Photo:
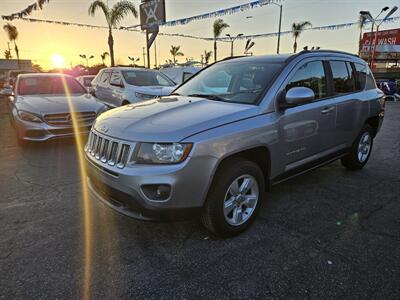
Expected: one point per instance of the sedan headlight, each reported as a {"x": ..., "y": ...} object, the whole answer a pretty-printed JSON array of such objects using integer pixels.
[
  {"x": 30, "y": 117},
  {"x": 145, "y": 96},
  {"x": 160, "y": 153}
]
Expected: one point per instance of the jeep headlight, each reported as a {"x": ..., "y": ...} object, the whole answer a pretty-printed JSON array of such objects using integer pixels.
[
  {"x": 145, "y": 96},
  {"x": 27, "y": 116},
  {"x": 163, "y": 153}
]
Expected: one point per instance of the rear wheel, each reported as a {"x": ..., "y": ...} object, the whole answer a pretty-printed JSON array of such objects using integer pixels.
[
  {"x": 125, "y": 102},
  {"x": 360, "y": 151},
  {"x": 234, "y": 198}
]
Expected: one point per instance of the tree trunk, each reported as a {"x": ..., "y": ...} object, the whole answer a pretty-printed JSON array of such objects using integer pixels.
[
  {"x": 295, "y": 45},
  {"x": 215, "y": 49},
  {"x": 111, "y": 46},
  {"x": 17, "y": 53}
]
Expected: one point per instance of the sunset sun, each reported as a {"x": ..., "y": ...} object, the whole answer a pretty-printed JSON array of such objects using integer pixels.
[{"x": 57, "y": 61}]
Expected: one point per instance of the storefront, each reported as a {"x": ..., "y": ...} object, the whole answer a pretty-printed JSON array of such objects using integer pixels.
[{"x": 386, "y": 57}]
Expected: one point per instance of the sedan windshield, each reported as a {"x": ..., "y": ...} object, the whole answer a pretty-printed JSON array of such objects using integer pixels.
[
  {"x": 146, "y": 78},
  {"x": 49, "y": 85},
  {"x": 240, "y": 82}
]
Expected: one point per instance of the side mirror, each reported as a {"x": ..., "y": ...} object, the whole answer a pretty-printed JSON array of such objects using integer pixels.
[{"x": 299, "y": 95}]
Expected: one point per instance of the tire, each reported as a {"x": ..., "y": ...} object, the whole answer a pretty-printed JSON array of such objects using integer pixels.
[
  {"x": 125, "y": 102},
  {"x": 360, "y": 151},
  {"x": 226, "y": 223}
]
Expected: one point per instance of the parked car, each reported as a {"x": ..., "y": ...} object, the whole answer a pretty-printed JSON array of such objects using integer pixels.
[
  {"x": 123, "y": 85},
  {"x": 11, "y": 76},
  {"x": 86, "y": 80},
  {"x": 230, "y": 133},
  {"x": 180, "y": 74},
  {"x": 40, "y": 107}
]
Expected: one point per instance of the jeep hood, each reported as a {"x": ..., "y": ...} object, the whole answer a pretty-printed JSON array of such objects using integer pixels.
[{"x": 170, "y": 119}]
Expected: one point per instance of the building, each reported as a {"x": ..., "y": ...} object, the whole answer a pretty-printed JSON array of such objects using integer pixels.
[
  {"x": 12, "y": 64},
  {"x": 386, "y": 57}
]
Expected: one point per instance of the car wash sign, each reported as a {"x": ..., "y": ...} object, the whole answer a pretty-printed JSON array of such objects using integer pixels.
[
  {"x": 387, "y": 46},
  {"x": 152, "y": 13}
]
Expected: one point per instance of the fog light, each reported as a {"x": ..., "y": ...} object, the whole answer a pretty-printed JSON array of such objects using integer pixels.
[{"x": 157, "y": 192}]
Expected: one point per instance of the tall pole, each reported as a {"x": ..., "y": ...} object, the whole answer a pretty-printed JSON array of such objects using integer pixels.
[
  {"x": 144, "y": 57},
  {"x": 155, "y": 52},
  {"x": 280, "y": 28},
  {"x": 370, "y": 44},
  {"x": 232, "y": 40},
  {"x": 374, "y": 49},
  {"x": 148, "y": 49}
]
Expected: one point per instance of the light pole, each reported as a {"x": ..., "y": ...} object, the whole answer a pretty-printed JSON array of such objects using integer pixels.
[
  {"x": 232, "y": 39},
  {"x": 368, "y": 16},
  {"x": 280, "y": 24},
  {"x": 391, "y": 12}
]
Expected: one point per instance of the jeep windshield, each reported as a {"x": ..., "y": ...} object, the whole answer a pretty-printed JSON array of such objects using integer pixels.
[
  {"x": 49, "y": 85},
  {"x": 238, "y": 82}
]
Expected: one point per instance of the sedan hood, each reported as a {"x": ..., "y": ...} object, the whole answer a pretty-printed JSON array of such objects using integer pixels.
[
  {"x": 170, "y": 119},
  {"x": 50, "y": 104}
]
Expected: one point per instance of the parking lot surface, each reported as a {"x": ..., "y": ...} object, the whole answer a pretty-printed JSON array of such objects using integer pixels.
[{"x": 330, "y": 233}]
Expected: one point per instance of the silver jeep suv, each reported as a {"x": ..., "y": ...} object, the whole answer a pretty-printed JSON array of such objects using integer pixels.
[{"x": 232, "y": 131}]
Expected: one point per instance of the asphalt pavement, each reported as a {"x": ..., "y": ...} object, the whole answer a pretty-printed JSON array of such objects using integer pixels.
[{"x": 329, "y": 234}]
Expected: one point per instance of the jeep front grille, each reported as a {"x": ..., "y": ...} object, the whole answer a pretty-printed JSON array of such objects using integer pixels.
[{"x": 108, "y": 150}]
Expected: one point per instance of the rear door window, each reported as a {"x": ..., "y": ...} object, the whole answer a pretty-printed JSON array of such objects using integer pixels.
[
  {"x": 361, "y": 76},
  {"x": 311, "y": 75},
  {"x": 343, "y": 80}
]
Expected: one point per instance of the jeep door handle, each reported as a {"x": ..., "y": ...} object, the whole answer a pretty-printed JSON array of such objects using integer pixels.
[{"x": 327, "y": 110}]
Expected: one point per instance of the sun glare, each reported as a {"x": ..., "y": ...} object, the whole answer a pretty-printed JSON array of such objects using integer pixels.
[{"x": 57, "y": 61}]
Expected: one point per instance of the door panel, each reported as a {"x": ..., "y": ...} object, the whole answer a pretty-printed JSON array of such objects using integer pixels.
[{"x": 307, "y": 129}]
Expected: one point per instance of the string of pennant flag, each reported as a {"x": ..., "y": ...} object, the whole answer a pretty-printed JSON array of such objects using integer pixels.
[
  {"x": 251, "y": 36},
  {"x": 214, "y": 14},
  {"x": 38, "y": 5}
]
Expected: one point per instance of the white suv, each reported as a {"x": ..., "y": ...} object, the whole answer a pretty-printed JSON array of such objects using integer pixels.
[{"x": 123, "y": 85}]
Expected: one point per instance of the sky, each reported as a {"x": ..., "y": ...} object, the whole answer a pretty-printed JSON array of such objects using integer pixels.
[{"x": 39, "y": 41}]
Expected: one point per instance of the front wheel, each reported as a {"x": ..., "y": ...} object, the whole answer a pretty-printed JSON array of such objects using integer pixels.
[
  {"x": 234, "y": 198},
  {"x": 360, "y": 151}
]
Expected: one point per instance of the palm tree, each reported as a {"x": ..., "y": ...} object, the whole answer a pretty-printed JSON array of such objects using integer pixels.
[
  {"x": 133, "y": 60},
  {"x": 12, "y": 33},
  {"x": 175, "y": 51},
  {"x": 85, "y": 57},
  {"x": 103, "y": 57},
  {"x": 113, "y": 17},
  {"x": 218, "y": 27},
  {"x": 361, "y": 23},
  {"x": 7, "y": 54},
  {"x": 297, "y": 29},
  {"x": 207, "y": 56}
]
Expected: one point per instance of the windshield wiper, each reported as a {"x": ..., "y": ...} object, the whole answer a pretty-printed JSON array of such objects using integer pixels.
[{"x": 208, "y": 96}]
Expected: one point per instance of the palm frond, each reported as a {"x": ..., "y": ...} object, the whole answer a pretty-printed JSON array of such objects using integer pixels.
[
  {"x": 120, "y": 10},
  {"x": 218, "y": 26},
  {"x": 297, "y": 28},
  {"x": 11, "y": 31},
  {"x": 100, "y": 5}
]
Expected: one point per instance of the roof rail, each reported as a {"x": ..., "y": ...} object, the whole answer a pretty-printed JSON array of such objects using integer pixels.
[{"x": 326, "y": 51}]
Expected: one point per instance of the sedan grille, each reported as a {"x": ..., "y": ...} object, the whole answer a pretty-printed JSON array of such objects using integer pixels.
[
  {"x": 109, "y": 151},
  {"x": 65, "y": 119}
]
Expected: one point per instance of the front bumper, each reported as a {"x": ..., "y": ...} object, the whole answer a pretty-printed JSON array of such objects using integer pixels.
[
  {"x": 122, "y": 189},
  {"x": 38, "y": 132}
]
